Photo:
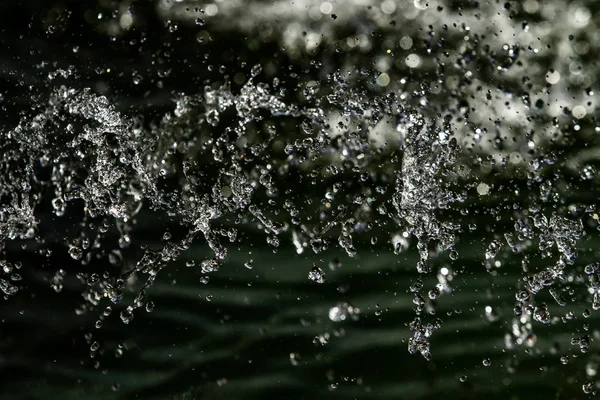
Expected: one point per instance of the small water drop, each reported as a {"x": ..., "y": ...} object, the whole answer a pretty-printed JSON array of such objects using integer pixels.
[
  {"x": 212, "y": 117},
  {"x": 317, "y": 275},
  {"x": 434, "y": 293},
  {"x": 75, "y": 252},
  {"x": 126, "y": 316},
  {"x": 149, "y": 306},
  {"x": 256, "y": 70},
  {"x": 564, "y": 360},
  {"x": 492, "y": 250}
]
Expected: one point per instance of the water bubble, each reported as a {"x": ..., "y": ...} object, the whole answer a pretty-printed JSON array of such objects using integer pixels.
[{"x": 486, "y": 362}]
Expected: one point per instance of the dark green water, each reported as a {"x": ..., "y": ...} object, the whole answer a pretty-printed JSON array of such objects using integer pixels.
[{"x": 238, "y": 344}]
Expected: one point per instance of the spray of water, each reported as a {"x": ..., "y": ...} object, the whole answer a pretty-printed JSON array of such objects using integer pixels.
[{"x": 364, "y": 149}]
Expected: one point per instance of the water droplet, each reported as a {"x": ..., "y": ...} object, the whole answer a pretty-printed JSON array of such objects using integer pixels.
[
  {"x": 212, "y": 117},
  {"x": 208, "y": 266},
  {"x": 149, "y": 306},
  {"x": 541, "y": 314},
  {"x": 317, "y": 275},
  {"x": 256, "y": 70},
  {"x": 126, "y": 316},
  {"x": 75, "y": 252},
  {"x": 492, "y": 250},
  {"x": 587, "y": 387},
  {"x": 434, "y": 293}
]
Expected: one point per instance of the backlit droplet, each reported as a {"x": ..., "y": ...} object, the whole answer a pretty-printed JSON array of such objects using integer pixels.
[{"x": 317, "y": 275}]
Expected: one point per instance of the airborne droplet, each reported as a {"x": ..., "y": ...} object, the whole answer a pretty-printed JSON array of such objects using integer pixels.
[{"x": 317, "y": 275}]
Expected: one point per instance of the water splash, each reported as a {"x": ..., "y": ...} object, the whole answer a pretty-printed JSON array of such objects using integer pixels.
[{"x": 415, "y": 155}]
